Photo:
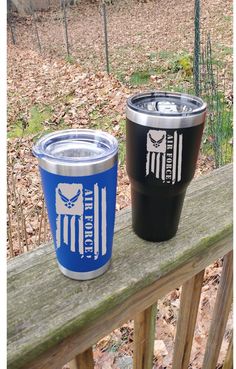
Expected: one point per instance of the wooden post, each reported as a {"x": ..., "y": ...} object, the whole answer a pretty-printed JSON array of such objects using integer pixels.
[
  {"x": 9, "y": 230},
  {"x": 228, "y": 363},
  {"x": 23, "y": 226},
  {"x": 83, "y": 361},
  {"x": 190, "y": 297},
  {"x": 144, "y": 335},
  {"x": 105, "y": 35},
  {"x": 220, "y": 314},
  {"x": 15, "y": 199}
]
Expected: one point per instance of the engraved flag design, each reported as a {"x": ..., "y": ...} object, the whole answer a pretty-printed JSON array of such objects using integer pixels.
[
  {"x": 81, "y": 219},
  {"x": 164, "y": 155}
]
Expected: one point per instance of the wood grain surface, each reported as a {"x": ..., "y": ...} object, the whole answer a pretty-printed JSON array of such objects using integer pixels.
[
  {"x": 83, "y": 360},
  {"x": 51, "y": 319},
  {"x": 189, "y": 302},
  {"x": 144, "y": 335},
  {"x": 221, "y": 311}
]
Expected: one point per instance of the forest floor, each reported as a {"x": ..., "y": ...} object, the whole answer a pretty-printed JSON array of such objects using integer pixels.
[{"x": 49, "y": 91}]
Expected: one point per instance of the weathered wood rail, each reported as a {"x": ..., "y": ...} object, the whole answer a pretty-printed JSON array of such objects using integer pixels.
[{"x": 53, "y": 320}]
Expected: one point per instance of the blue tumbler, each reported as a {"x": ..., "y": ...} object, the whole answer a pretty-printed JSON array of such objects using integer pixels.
[{"x": 78, "y": 169}]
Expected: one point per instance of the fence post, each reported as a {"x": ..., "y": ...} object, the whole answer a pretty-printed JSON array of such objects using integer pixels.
[
  {"x": 12, "y": 31},
  {"x": 105, "y": 35},
  {"x": 9, "y": 19},
  {"x": 83, "y": 360},
  {"x": 190, "y": 297},
  {"x": 228, "y": 363},
  {"x": 66, "y": 30},
  {"x": 196, "y": 71},
  {"x": 220, "y": 314},
  {"x": 35, "y": 26},
  {"x": 144, "y": 335}
]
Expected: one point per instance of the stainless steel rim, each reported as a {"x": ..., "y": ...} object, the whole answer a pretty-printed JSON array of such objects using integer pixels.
[
  {"x": 164, "y": 122},
  {"x": 83, "y": 276},
  {"x": 73, "y": 170},
  {"x": 70, "y": 167},
  {"x": 155, "y": 120}
]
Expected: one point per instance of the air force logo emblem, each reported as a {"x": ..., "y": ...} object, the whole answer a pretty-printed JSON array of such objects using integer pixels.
[
  {"x": 69, "y": 203},
  {"x": 156, "y": 141},
  {"x": 69, "y": 199}
]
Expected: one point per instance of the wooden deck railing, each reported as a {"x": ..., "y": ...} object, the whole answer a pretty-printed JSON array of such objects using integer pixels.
[{"x": 53, "y": 320}]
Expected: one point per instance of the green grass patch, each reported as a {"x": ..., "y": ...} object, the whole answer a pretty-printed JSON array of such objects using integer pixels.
[
  {"x": 218, "y": 133},
  {"x": 122, "y": 142},
  {"x": 70, "y": 59},
  {"x": 224, "y": 50},
  {"x": 220, "y": 156},
  {"x": 228, "y": 18},
  {"x": 140, "y": 77},
  {"x": 122, "y": 152},
  {"x": 182, "y": 62},
  {"x": 121, "y": 76},
  {"x": 176, "y": 62},
  {"x": 172, "y": 84},
  {"x": 166, "y": 54},
  {"x": 33, "y": 125},
  {"x": 216, "y": 62},
  {"x": 153, "y": 55},
  {"x": 105, "y": 123},
  {"x": 122, "y": 125},
  {"x": 99, "y": 121}
]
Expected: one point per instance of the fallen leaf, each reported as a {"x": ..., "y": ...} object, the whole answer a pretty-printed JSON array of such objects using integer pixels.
[{"x": 160, "y": 348}]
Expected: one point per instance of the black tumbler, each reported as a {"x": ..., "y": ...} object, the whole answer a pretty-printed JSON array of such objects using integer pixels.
[{"x": 163, "y": 137}]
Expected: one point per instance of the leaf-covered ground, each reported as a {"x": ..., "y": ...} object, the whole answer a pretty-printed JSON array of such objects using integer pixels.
[{"x": 148, "y": 43}]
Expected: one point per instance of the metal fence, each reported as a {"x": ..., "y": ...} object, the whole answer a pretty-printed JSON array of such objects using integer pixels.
[{"x": 88, "y": 32}]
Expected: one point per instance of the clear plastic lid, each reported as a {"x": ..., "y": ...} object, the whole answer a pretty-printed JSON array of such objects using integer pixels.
[
  {"x": 166, "y": 104},
  {"x": 76, "y": 146}
]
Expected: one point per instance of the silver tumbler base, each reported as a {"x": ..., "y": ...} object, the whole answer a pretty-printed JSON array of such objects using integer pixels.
[{"x": 83, "y": 276}]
